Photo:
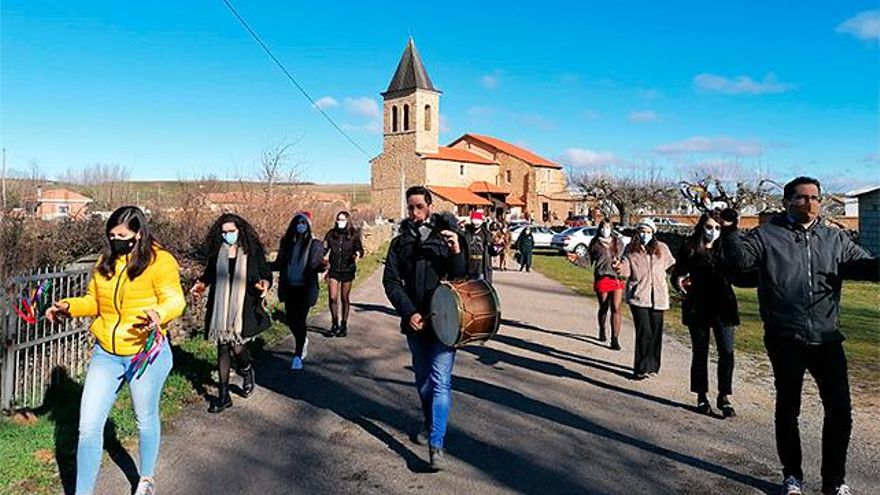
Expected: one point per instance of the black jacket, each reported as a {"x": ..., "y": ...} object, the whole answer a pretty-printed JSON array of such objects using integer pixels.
[
  {"x": 314, "y": 266},
  {"x": 254, "y": 317},
  {"x": 710, "y": 300},
  {"x": 343, "y": 247},
  {"x": 415, "y": 266},
  {"x": 480, "y": 251},
  {"x": 799, "y": 275}
]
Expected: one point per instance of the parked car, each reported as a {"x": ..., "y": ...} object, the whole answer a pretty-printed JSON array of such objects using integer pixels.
[
  {"x": 577, "y": 240},
  {"x": 578, "y": 221},
  {"x": 543, "y": 235},
  {"x": 668, "y": 222}
]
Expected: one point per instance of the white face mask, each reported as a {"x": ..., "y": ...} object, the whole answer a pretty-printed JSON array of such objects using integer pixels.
[
  {"x": 477, "y": 223},
  {"x": 341, "y": 224},
  {"x": 711, "y": 234},
  {"x": 646, "y": 237},
  {"x": 301, "y": 228},
  {"x": 606, "y": 232}
]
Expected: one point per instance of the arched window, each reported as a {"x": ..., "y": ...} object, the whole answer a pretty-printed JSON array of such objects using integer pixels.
[
  {"x": 406, "y": 117},
  {"x": 394, "y": 119},
  {"x": 427, "y": 117}
]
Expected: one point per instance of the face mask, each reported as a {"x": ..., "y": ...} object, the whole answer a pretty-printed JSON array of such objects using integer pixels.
[
  {"x": 646, "y": 237},
  {"x": 477, "y": 223},
  {"x": 122, "y": 247},
  {"x": 341, "y": 224},
  {"x": 606, "y": 232},
  {"x": 301, "y": 228},
  {"x": 528, "y": 231},
  {"x": 230, "y": 238},
  {"x": 711, "y": 234}
]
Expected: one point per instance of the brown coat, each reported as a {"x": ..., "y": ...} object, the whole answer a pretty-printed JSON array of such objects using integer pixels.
[{"x": 645, "y": 275}]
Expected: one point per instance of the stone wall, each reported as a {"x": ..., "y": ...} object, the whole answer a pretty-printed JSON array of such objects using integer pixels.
[
  {"x": 448, "y": 173},
  {"x": 869, "y": 222}
]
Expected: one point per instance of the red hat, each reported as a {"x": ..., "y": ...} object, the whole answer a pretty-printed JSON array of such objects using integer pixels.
[{"x": 476, "y": 215}]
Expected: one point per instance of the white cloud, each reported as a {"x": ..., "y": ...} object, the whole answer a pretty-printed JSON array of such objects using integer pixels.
[
  {"x": 490, "y": 81},
  {"x": 871, "y": 158},
  {"x": 581, "y": 157},
  {"x": 371, "y": 127},
  {"x": 363, "y": 106},
  {"x": 740, "y": 84},
  {"x": 722, "y": 145},
  {"x": 864, "y": 25},
  {"x": 642, "y": 116},
  {"x": 326, "y": 102}
]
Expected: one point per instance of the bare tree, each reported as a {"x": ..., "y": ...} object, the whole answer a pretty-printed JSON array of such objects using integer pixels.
[
  {"x": 278, "y": 165},
  {"x": 627, "y": 195}
]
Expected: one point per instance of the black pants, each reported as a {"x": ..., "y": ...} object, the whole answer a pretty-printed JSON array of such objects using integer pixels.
[
  {"x": 649, "y": 339},
  {"x": 525, "y": 259},
  {"x": 700, "y": 358},
  {"x": 297, "y": 310},
  {"x": 827, "y": 364}
]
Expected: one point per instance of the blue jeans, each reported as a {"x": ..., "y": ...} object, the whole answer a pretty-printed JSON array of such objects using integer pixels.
[
  {"x": 432, "y": 362},
  {"x": 99, "y": 394}
]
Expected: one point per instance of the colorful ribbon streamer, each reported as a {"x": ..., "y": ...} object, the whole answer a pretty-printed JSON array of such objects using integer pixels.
[
  {"x": 31, "y": 308},
  {"x": 145, "y": 356}
]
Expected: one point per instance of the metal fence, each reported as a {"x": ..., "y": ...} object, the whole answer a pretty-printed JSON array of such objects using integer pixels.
[{"x": 30, "y": 352}]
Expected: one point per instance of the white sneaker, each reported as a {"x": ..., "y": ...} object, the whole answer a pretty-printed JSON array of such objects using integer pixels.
[
  {"x": 305, "y": 348},
  {"x": 840, "y": 490},
  {"x": 296, "y": 364},
  {"x": 792, "y": 486},
  {"x": 145, "y": 487}
]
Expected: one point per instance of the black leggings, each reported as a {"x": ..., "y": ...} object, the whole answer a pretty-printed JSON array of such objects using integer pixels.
[
  {"x": 297, "y": 313},
  {"x": 225, "y": 353}
]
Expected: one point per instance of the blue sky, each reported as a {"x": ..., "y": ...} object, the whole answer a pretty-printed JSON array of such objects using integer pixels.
[{"x": 178, "y": 89}]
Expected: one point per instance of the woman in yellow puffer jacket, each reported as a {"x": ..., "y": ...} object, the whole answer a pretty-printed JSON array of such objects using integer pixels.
[{"x": 135, "y": 285}]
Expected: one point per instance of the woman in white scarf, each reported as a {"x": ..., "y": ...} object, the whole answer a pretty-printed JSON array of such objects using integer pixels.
[{"x": 239, "y": 277}]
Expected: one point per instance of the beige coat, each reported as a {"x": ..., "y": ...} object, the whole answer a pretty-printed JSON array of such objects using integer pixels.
[{"x": 645, "y": 275}]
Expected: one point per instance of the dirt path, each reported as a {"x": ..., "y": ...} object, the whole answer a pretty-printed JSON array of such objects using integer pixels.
[{"x": 542, "y": 409}]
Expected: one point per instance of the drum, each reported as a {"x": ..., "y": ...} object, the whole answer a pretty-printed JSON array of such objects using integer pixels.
[{"x": 463, "y": 312}]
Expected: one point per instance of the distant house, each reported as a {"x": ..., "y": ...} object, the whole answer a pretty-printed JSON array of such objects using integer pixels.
[
  {"x": 869, "y": 217},
  {"x": 51, "y": 204},
  {"x": 237, "y": 200}
]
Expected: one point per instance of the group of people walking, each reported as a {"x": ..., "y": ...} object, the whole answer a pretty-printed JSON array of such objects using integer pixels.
[
  {"x": 136, "y": 287},
  {"x": 799, "y": 262}
]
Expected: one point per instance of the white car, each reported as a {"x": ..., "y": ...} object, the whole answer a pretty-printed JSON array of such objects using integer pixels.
[
  {"x": 543, "y": 235},
  {"x": 661, "y": 221},
  {"x": 577, "y": 240}
]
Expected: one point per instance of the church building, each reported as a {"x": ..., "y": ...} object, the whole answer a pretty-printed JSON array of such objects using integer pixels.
[{"x": 473, "y": 172}]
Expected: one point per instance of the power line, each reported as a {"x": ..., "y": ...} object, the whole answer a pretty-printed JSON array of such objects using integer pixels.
[{"x": 290, "y": 77}]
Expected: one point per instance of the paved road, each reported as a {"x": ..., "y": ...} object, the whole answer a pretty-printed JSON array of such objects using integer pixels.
[{"x": 544, "y": 409}]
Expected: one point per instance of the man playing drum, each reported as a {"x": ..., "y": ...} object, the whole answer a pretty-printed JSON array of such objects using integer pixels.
[{"x": 426, "y": 251}]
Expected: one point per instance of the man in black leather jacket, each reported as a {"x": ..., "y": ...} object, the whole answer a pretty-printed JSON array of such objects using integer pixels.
[
  {"x": 801, "y": 264},
  {"x": 428, "y": 249}
]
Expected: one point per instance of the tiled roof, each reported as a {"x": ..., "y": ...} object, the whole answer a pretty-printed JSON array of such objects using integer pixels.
[
  {"x": 511, "y": 149},
  {"x": 459, "y": 195},
  {"x": 410, "y": 73},
  {"x": 458, "y": 155},
  {"x": 514, "y": 201},
  {"x": 482, "y": 186}
]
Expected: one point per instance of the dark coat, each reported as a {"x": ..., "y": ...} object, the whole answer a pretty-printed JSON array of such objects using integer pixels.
[
  {"x": 710, "y": 300},
  {"x": 254, "y": 317},
  {"x": 414, "y": 267},
  {"x": 525, "y": 243},
  {"x": 800, "y": 273},
  {"x": 480, "y": 249},
  {"x": 314, "y": 266},
  {"x": 343, "y": 247}
]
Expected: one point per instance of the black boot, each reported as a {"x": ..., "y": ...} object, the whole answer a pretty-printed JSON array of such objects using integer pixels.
[
  {"x": 334, "y": 330},
  {"x": 703, "y": 406},
  {"x": 223, "y": 401},
  {"x": 615, "y": 345},
  {"x": 343, "y": 329},
  {"x": 249, "y": 383},
  {"x": 602, "y": 335},
  {"x": 726, "y": 409}
]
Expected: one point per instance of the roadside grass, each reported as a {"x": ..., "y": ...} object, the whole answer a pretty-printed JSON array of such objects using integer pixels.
[
  {"x": 38, "y": 448},
  {"x": 859, "y": 318}
]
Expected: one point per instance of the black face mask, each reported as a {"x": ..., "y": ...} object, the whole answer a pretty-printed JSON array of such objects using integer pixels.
[{"x": 121, "y": 247}]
